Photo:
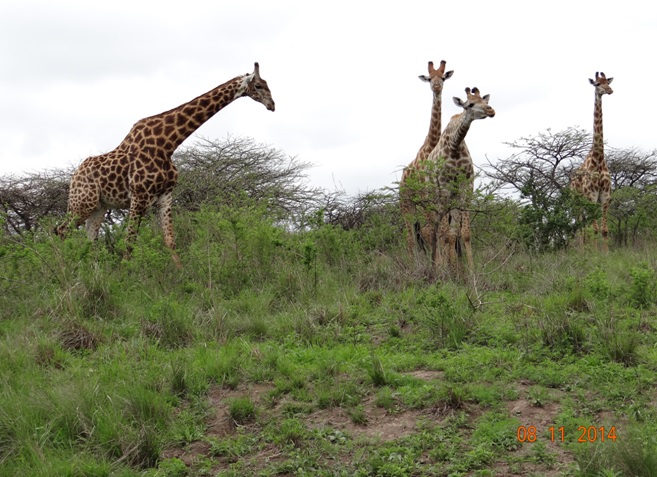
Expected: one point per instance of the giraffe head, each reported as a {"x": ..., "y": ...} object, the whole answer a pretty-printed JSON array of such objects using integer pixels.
[
  {"x": 601, "y": 83},
  {"x": 257, "y": 89},
  {"x": 437, "y": 76},
  {"x": 475, "y": 104}
]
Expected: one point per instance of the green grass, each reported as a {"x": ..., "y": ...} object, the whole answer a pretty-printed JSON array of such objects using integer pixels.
[{"x": 319, "y": 353}]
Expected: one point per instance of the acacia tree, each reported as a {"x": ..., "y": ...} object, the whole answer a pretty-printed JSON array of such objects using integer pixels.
[
  {"x": 24, "y": 200},
  {"x": 216, "y": 172},
  {"x": 539, "y": 174},
  {"x": 634, "y": 184},
  {"x": 545, "y": 161}
]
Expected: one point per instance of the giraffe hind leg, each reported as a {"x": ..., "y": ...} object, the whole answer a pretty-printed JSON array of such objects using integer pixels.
[{"x": 94, "y": 221}]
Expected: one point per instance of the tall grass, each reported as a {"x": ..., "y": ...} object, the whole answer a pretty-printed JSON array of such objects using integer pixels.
[{"x": 106, "y": 364}]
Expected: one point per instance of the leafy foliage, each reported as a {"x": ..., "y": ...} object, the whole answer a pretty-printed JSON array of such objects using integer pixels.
[{"x": 550, "y": 221}]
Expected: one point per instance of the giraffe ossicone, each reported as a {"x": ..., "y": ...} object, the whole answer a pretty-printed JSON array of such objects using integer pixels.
[{"x": 139, "y": 173}]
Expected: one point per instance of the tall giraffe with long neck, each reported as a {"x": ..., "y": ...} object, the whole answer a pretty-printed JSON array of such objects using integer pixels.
[
  {"x": 455, "y": 181},
  {"x": 416, "y": 175},
  {"x": 592, "y": 179},
  {"x": 140, "y": 172}
]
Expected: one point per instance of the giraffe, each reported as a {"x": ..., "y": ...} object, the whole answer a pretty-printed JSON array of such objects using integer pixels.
[
  {"x": 416, "y": 171},
  {"x": 140, "y": 172},
  {"x": 592, "y": 179},
  {"x": 455, "y": 181}
]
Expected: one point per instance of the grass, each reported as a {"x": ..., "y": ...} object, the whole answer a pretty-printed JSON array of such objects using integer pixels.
[{"x": 319, "y": 353}]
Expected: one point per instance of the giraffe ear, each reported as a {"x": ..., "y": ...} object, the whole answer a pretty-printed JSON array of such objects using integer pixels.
[
  {"x": 486, "y": 97},
  {"x": 424, "y": 78},
  {"x": 591, "y": 81},
  {"x": 459, "y": 102},
  {"x": 609, "y": 80},
  {"x": 448, "y": 74}
]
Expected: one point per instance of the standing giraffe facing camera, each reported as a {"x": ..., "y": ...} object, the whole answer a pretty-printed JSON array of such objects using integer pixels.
[
  {"x": 140, "y": 172},
  {"x": 592, "y": 179},
  {"x": 455, "y": 181},
  {"x": 416, "y": 175}
]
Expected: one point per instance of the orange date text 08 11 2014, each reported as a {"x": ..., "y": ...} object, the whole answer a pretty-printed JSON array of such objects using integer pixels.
[{"x": 584, "y": 433}]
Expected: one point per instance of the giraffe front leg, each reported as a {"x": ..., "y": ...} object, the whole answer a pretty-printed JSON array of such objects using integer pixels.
[
  {"x": 596, "y": 233},
  {"x": 437, "y": 258},
  {"x": 605, "y": 230},
  {"x": 412, "y": 226},
  {"x": 93, "y": 223},
  {"x": 466, "y": 236},
  {"x": 434, "y": 236},
  {"x": 166, "y": 222},
  {"x": 83, "y": 203},
  {"x": 447, "y": 237},
  {"x": 60, "y": 230},
  {"x": 581, "y": 233},
  {"x": 410, "y": 235},
  {"x": 454, "y": 234},
  {"x": 138, "y": 207},
  {"x": 450, "y": 247}
]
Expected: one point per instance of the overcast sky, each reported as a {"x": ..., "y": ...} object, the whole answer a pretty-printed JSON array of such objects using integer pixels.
[{"x": 76, "y": 74}]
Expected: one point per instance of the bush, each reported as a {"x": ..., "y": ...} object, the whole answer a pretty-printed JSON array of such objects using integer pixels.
[{"x": 549, "y": 222}]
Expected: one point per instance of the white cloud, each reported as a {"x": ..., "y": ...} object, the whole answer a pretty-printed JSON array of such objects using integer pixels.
[{"x": 75, "y": 75}]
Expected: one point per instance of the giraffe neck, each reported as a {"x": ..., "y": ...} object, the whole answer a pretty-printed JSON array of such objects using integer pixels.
[
  {"x": 458, "y": 128},
  {"x": 434, "y": 127},
  {"x": 597, "y": 150},
  {"x": 171, "y": 128}
]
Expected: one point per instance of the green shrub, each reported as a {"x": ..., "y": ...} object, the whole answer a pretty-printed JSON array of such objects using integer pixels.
[
  {"x": 242, "y": 410},
  {"x": 643, "y": 288}
]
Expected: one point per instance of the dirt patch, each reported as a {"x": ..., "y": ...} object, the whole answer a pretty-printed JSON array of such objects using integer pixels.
[
  {"x": 220, "y": 424},
  {"x": 427, "y": 375},
  {"x": 542, "y": 418},
  {"x": 379, "y": 423},
  {"x": 190, "y": 454},
  {"x": 534, "y": 415}
]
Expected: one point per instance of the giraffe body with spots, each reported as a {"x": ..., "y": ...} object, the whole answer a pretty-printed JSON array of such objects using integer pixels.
[{"x": 139, "y": 173}]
